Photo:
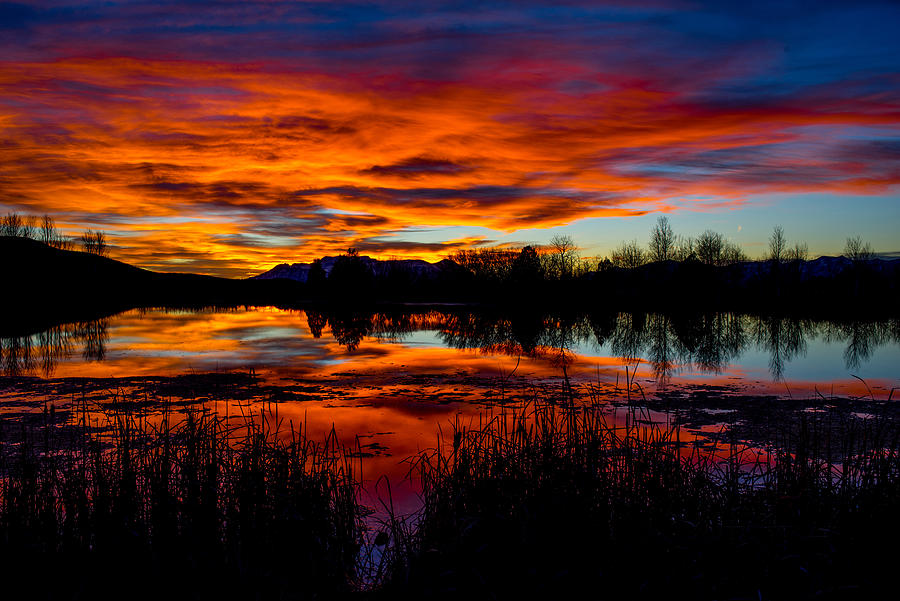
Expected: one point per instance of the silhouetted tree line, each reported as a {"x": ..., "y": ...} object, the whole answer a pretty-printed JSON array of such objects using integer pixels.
[
  {"x": 709, "y": 248},
  {"x": 44, "y": 230},
  {"x": 671, "y": 271},
  {"x": 557, "y": 262},
  {"x": 713, "y": 249}
]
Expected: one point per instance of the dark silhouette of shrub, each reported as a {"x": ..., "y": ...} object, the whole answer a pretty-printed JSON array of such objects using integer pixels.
[
  {"x": 316, "y": 278},
  {"x": 527, "y": 268},
  {"x": 351, "y": 277}
]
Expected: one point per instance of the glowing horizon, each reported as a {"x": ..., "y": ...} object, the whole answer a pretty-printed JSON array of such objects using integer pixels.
[{"x": 230, "y": 138}]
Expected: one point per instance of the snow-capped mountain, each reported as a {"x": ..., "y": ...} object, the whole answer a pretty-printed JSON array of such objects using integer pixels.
[{"x": 416, "y": 268}]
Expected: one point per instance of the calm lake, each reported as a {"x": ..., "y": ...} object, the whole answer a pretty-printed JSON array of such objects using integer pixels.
[
  {"x": 388, "y": 381},
  {"x": 742, "y": 353}
]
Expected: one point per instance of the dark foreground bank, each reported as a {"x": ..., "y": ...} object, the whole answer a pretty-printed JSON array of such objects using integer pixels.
[{"x": 550, "y": 500}]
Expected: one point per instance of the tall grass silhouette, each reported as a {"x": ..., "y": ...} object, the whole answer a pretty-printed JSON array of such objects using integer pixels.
[
  {"x": 557, "y": 500},
  {"x": 134, "y": 501}
]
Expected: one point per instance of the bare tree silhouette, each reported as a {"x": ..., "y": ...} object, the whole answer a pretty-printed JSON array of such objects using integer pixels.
[
  {"x": 562, "y": 257},
  {"x": 48, "y": 234},
  {"x": 711, "y": 247},
  {"x": 11, "y": 225},
  {"x": 858, "y": 250},
  {"x": 629, "y": 255},
  {"x": 94, "y": 243},
  {"x": 799, "y": 252},
  {"x": 777, "y": 245},
  {"x": 685, "y": 249},
  {"x": 662, "y": 240}
]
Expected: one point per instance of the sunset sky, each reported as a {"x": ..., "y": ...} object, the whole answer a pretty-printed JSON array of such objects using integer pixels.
[{"x": 225, "y": 137}]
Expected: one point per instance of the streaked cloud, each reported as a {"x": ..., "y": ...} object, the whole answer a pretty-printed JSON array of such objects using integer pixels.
[{"x": 229, "y": 138}]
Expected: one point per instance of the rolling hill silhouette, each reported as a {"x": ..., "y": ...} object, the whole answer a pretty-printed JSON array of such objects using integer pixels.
[{"x": 38, "y": 278}]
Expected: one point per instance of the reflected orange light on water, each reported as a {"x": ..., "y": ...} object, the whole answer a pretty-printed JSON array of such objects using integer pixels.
[{"x": 279, "y": 344}]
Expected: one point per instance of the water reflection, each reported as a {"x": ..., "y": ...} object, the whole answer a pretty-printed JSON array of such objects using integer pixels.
[
  {"x": 709, "y": 343},
  {"x": 784, "y": 338},
  {"x": 861, "y": 338},
  {"x": 521, "y": 335},
  {"x": 39, "y": 353},
  {"x": 349, "y": 328},
  {"x": 669, "y": 344},
  {"x": 316, "y": 321}
]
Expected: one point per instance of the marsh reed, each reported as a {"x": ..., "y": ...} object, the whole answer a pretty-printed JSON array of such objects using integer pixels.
[
  {"x": 553, "y": 501},
  {"x": 570, "y": 498},
  {"x": 188, "y": 503}
]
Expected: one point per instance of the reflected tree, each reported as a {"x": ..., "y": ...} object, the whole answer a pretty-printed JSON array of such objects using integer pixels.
[
  {"x": 561, "y": 334},
  {"x": 784, "y": 339},
  {"x": 316, "y": 321},
  {"x": 398, "y": 325},
  {"x": 42, "y": 351},
  {"x": 711, "y": 341},
  {"x": 349, "y": 328},
  {"x": 627, "y": 340},
  {"x": 861, "y": 337},
  {"x": 527, "y": 330},
  {"x": 661, "y": 345},
  {"x": 602, "y": 326},
  {"x": 94, "y": 335}
]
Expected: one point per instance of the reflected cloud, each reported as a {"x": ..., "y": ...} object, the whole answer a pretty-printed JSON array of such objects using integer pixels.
[{"x": 384, "y": 346}]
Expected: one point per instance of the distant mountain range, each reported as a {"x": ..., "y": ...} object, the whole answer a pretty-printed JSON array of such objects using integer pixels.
[
  {"x": 740, "y": 273},
  {"x": 747, "y": 272},
  {"x": 822, "y": 267},
  {"x": 299, "y": 272}
]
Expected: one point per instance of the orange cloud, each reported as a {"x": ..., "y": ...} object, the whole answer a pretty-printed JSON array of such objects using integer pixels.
[{"x": 229, "y": 169}]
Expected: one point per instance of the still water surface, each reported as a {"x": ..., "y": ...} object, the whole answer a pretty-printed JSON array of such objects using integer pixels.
[{"x": 745, "y": 353}]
